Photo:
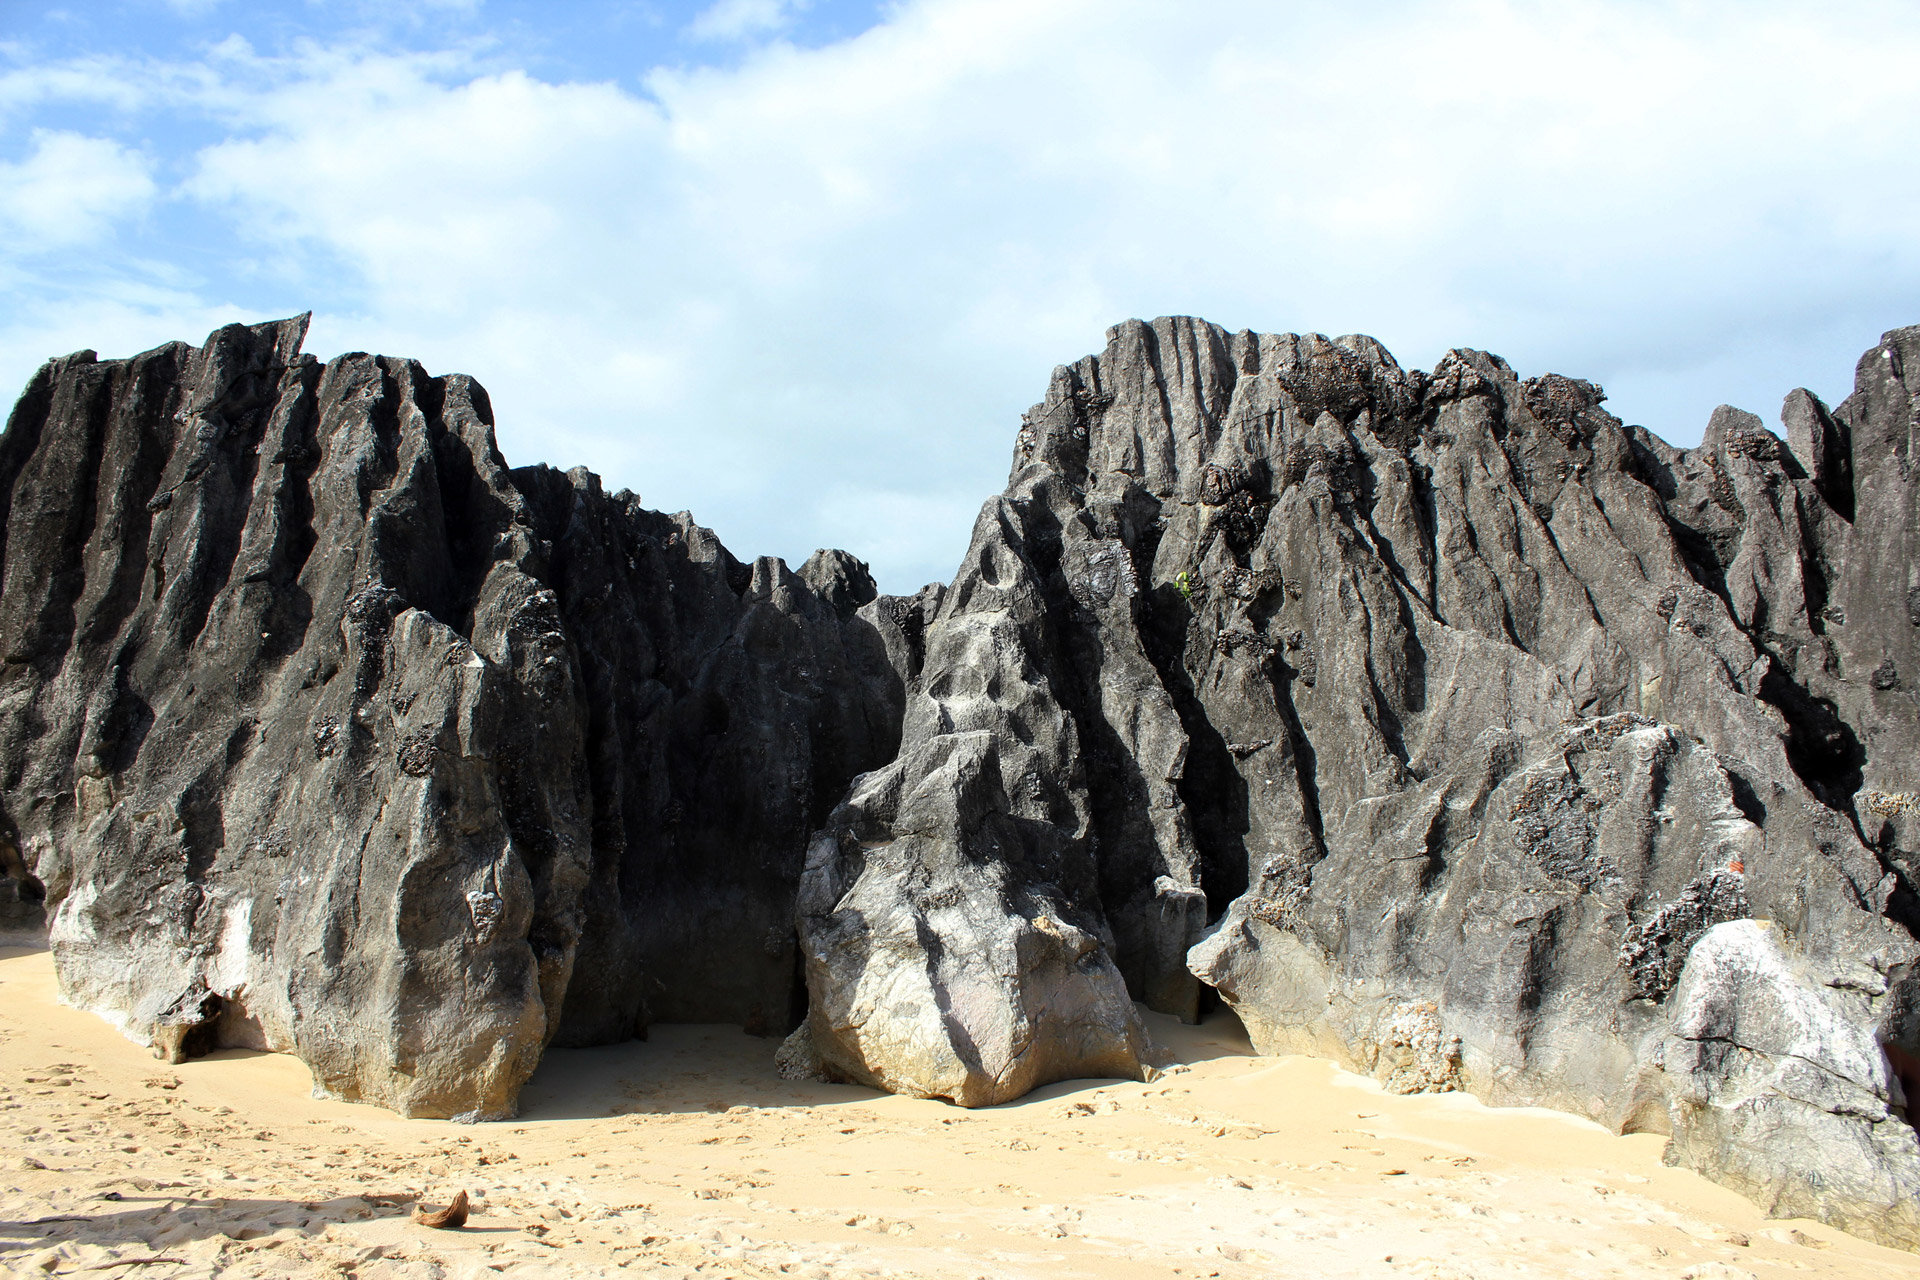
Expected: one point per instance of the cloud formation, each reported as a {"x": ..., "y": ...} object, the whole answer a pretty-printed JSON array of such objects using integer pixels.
[
  {"x": 70, "y": 190},
  {"x": 742, "y": 19},
  {"x": 806, "y": 293}
]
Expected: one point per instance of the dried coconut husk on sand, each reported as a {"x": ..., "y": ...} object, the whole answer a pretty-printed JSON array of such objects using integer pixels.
[{"x": 451, "y": 1218}]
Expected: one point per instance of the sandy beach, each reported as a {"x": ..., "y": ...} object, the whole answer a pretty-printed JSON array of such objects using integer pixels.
[{"x": 684, "y": 1155}]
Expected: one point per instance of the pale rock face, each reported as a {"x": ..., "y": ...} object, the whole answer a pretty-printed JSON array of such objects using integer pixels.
[
  {"x": 1479, "y": 930},
  {"x": 937, "y": 964},
  {"x": 1781, "y": 1088}
]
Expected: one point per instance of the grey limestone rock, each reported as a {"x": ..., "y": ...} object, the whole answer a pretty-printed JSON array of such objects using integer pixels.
[
  {"x": 1438, "y": 719},
  {"x": 950, "y": 914},
  {"x": 323, "y": 731}
]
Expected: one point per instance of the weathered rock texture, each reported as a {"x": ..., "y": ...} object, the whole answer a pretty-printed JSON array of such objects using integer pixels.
[
  {"x": 1439, "y": 722},
  {"x": 1442, "y": 724},
  {"x": 321, "y": 730}
]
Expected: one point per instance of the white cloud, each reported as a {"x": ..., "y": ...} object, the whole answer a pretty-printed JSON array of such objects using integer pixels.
[
  {"x": 91, "y": 80},
  {"x": 808, "y": 295},
  {"x": 742, "y": 19},
  {"x": 70, "y": 190}
]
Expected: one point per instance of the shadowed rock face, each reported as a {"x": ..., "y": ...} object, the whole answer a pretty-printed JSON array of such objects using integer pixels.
[
  {"x": 1440, "y": 723},
  {"x": 322, "y": 731}
]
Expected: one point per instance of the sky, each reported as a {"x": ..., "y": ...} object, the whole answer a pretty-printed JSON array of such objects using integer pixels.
[{"x": 799, "y": 267}]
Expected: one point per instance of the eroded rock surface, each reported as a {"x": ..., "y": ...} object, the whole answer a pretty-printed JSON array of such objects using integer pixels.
[
  {"x": 951, "y": 914},
  {"x": 1435, "y": 721},
  {"x": 322, "y": 731},
  {"x": 1784, "y": 1091}
]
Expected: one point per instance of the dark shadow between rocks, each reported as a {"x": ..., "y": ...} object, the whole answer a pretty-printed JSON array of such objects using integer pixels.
[
  {"x": 1219, "y": 1034},
  {"x": 23, "y": 913},
  {"x": 1821, "y": 747},
  {"x": 679, "y": 1069}
]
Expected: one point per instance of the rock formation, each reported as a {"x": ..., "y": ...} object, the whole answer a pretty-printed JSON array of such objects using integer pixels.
[
  {"x": 1443, "y": 725},
  {"x": 322, "y": 731},
  {"x": 1438, "y": 722}
]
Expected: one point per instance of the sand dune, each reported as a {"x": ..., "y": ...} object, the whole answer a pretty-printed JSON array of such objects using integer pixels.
[{"x": 685, "y": 1156}]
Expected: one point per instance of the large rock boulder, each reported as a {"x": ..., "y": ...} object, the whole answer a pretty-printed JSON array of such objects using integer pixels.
[
  {"x": 322, "y": 731},
  {"x": 951, "y": 915},
  {"x": 1436, "y": 719}
]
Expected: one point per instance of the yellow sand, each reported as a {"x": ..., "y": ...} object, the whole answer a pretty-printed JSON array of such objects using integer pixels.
[{"x": 684, "y": 1155}]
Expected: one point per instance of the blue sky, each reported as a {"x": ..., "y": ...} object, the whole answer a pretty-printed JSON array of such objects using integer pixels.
[{"x": 799, "y": 267}]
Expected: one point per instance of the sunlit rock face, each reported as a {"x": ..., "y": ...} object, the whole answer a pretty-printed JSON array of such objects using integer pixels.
[
  {"x": 1438, "y": 722},
  {"x": 323, "y": 731},
  {"x": 1433, "y": 720}
]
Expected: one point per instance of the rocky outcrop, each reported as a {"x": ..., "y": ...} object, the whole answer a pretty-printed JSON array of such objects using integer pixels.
[
  {"x": 322, "y": 731},
  {"x": 1439, "y": 722},
  {"x": 951, "y": 915}
]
